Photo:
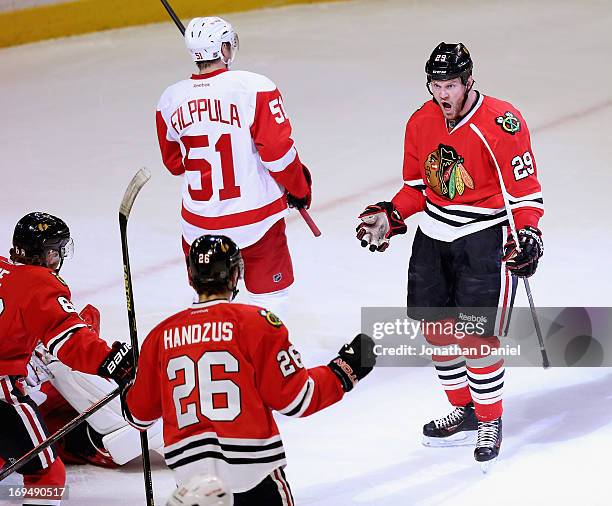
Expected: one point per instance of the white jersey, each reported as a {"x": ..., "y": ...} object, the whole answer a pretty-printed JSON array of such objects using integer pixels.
[{"x": 228, "y": 134}]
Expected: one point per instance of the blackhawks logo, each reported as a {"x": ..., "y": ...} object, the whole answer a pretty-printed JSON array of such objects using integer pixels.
[
  {"x": 271, "y": 318},
  {"x": 509, "y": 123},
  {"x": 445, "y": 172}
]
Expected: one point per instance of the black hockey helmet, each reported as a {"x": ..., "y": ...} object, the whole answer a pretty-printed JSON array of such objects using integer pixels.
[
  {"x": 37, "y": 234},
  {"x": 448, "y": 61},
  {"x": 213, "y": 259}
]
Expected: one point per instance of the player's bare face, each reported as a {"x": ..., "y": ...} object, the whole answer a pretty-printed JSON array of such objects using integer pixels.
[{"x": 449, "y": 95}]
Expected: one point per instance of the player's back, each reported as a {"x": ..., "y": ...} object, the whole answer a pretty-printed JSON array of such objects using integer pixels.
[
  {"x": 210, "y": 375},
  {"x": 224, "y": 122},
  {"x": 19, "y": 285},
  {"x": 211, "y": 345}
]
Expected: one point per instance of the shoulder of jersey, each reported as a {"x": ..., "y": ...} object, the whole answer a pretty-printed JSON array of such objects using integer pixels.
[
  {"x": 428, "y": 110},
  {"x": 495, "y": 106},
  {"x": 249, "y": 81},
  {"x": 38, "y": 276},
  {"x": 258, "y": 315},
  {"x": 501, "y": 116}
]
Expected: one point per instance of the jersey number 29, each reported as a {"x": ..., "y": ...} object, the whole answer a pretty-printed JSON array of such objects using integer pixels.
[{"x": 523, "y": 166}]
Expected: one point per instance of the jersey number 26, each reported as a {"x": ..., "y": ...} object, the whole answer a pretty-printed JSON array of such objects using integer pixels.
[{"x": 199, "y": 375}]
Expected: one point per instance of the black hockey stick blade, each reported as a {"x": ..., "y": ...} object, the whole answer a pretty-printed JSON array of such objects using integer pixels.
[{"x": 58, "y": 434}]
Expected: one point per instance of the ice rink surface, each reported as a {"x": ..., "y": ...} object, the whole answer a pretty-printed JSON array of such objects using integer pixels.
[{"x": 78, "y": 121}]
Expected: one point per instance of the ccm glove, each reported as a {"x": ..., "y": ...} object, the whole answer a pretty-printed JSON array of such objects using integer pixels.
[
  {"x": 119, "y": 364},
  {"x": 304, "y": 202},
  {"x": 379, "y": 222},
  {"x": 354, "y": 361},
  {"x": 524, "y": 263}
]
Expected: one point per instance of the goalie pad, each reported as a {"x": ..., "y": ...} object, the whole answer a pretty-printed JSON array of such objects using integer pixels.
[
  {"x": 124, "y": 443},
  {"x": 81, "y": 390}
]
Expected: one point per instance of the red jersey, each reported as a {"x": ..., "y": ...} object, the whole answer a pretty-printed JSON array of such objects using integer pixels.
[
  {"x": 35, "y": 307},
  {"x": 214, "y": 373},
  {"x": 461, "y": 187}
]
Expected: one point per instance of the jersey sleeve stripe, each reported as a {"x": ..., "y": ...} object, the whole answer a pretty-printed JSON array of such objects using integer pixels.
[
  {"x": 532, "y": 196},
  {"x": 530, "y": 203},
  {"x": 135, "y": 422},
  {"x": 417, "y": 184},
  {"x": 301, "y": 401},
  {"x": 55, "y": 343},
  {"x": 283, "y": 162}
]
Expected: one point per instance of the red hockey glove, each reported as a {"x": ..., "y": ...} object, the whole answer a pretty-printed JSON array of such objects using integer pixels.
[
  {"x": 304, "y": 202},
  {"x": 119, "y": 364},
  {"x": 91, "y": 316},
  {"x": 379, "y": 222},
  {"x": 524, "y": 263},
  {"x": 354, "y": 361}
]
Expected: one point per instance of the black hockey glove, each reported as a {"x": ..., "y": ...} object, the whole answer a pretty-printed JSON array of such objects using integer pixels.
[
  {"x": 119, "y": 364},
  {"x": 379, "y": 222},
  {"x": 304, "y": 202},
  {"x": 525, "y": 262},
  {"x": 354, "y": 361}
]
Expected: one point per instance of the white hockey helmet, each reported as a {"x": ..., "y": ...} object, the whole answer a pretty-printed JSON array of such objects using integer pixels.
[
  {"x": 205, "y": 36},
  {"x": 201, "y": 490}
]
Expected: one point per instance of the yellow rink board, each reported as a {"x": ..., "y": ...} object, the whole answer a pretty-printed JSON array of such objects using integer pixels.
[{"x": 83, "y": 16}]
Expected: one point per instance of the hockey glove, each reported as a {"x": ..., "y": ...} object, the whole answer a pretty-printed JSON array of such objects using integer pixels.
[
  {"x": 354, "y": 361},
  {"x": 379, "y": 222},
  {"x": 119, "y": 364},
  {"x": 304, "y": 202},
  {"x": 524, "y": 263}
]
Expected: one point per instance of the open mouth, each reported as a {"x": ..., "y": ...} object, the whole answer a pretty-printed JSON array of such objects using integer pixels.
[{"x": 447, "y": 106}]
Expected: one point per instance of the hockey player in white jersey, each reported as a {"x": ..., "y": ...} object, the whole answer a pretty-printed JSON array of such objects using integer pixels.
[{"x": 227, "y": 133}]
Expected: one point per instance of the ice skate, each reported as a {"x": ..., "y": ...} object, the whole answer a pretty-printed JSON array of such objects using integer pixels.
[
  {"x": 458, "y": 428},
  {"x": 488, "y": 443}
]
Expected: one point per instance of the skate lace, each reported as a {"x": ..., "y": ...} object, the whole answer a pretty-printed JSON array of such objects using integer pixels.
[
  {"x": 487, "y": 433},
  {"x": 451, "y": 419}
]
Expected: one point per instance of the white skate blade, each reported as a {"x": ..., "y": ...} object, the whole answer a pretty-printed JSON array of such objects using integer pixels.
[
  {"x": 486, "y": 466},
  {"x": 464, "y": 438}
]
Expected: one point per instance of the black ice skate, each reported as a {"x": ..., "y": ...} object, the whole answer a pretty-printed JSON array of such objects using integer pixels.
[
  {"x": 458, "y": 428},
  {"x": 488, "y": 443}
]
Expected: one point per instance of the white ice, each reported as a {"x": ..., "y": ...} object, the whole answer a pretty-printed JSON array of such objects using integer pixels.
[{"x": 78, "y": 121}]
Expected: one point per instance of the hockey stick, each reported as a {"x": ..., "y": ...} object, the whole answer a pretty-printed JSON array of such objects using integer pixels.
[
  {"x": 513, "y": 231},
  {"x": 135, "y": 185},
  {"x": 58, "y": 434},
  {"x": 179, "y": 24}
]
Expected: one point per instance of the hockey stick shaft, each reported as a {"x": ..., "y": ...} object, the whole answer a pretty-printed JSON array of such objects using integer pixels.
[
  {"x": 310, "y": 222},
  {"x": 57, "y": 435},
  {"x": 536, "y": 322},
  {"x": 132, "y": 190},
  {"x": 179, "y": 24}
]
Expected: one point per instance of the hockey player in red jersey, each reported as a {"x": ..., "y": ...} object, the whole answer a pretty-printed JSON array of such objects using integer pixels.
[
  {"x": 462, "y": 254},
  {"x": 228, "y": 134},
  {"x": 216, "y": 371},
  {"x": 35, "y": 307}
]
